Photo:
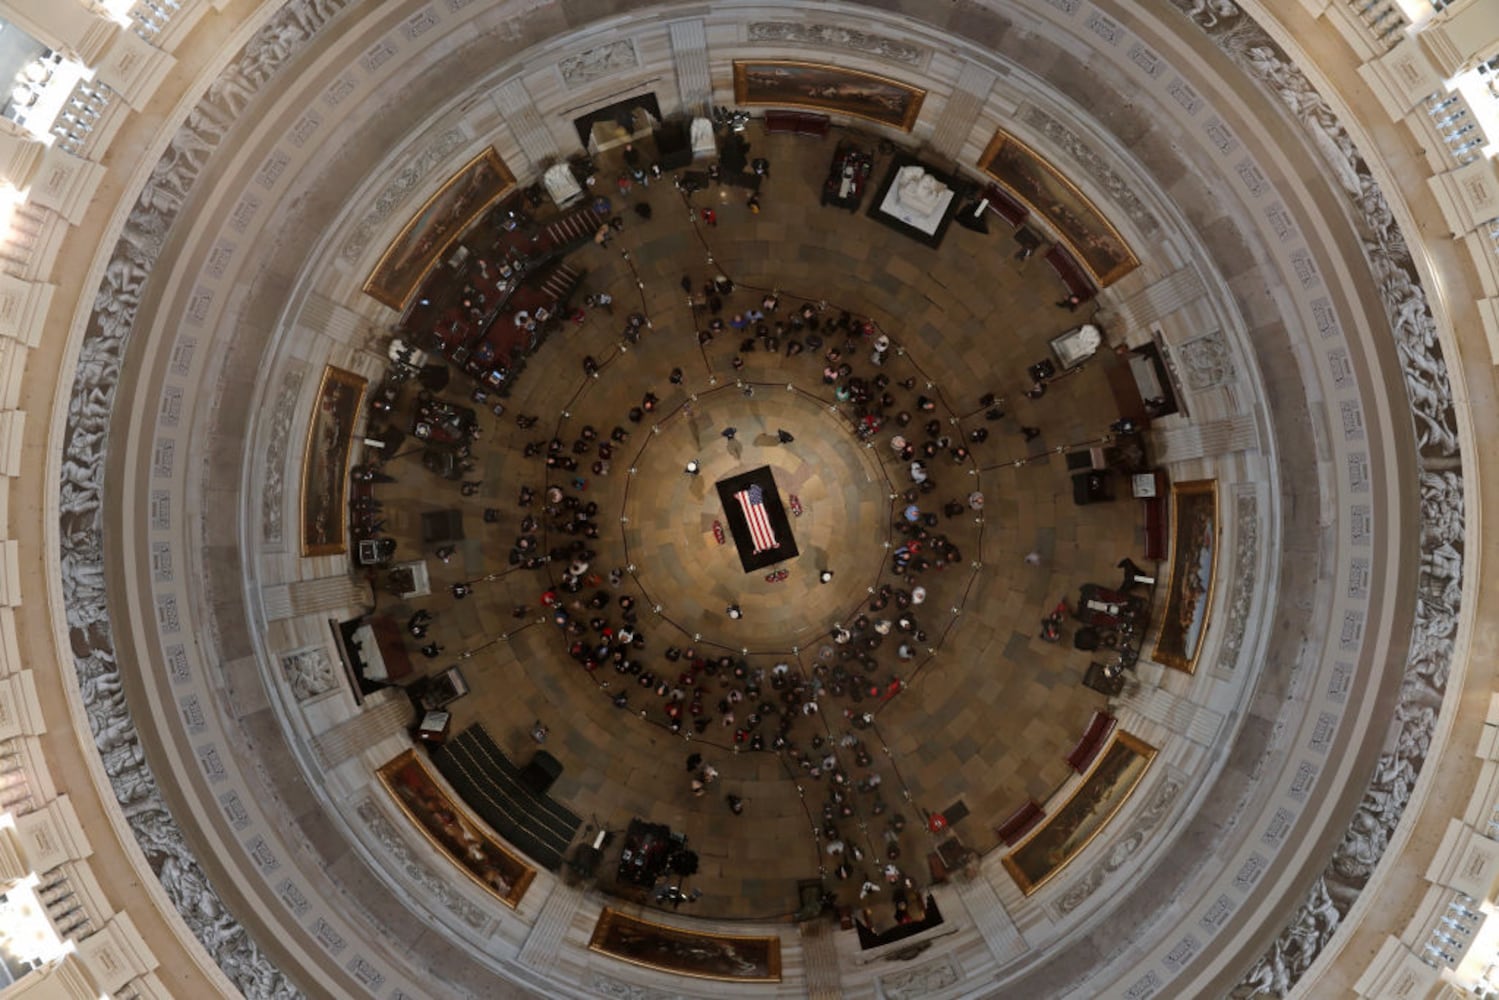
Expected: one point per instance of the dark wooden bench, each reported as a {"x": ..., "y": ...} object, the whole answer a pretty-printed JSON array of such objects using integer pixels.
[
  {"x": 1071, "y": 273},
  {"x": 1092, "y": 741},
  {"x": 1008, "y": 208},
  {"x": 1021, "y": 822},
  {"x": 1156, "y": 529},
  {"x": 796, "y": 123}
]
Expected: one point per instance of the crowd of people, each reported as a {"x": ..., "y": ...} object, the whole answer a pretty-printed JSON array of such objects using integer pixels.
[{"x": 815, "y": 709}]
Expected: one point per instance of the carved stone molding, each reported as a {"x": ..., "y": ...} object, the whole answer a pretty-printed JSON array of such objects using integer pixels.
[
  {"x": 921, "y": 981},
  {"x": 81, "y": 491},
  {"x": 598, "y": 62},
  {"x": 1095, "y": 165},
  {"x": 273, "y": 487},
  {"x": 310, "y": 672},
  {"x": 837, "y": 37},
  {"x": 398, "y": 189},
  {"x": 1433, "y": 411},
  {"x": 1246, "y": 503},
  {"x": 439, "y": 886},
  {"x": 1123, "y": 848},
  {"x": 1207, "y": 362},
  {"x": 608, "y": 986}
]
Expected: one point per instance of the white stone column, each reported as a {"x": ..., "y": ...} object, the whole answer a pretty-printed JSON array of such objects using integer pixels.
[
  {"x": 992, "y": 920},
  {"x": 329, "y": 593},
  {"x": 1461, "y": 35},
  {"x": 1466, "y": 861},
  {"x": 51, "y": 836},
  {"x": 1205, "y": 440},
  {"x": 1469, "y": 195},
  {"x": 689, "y": 49},
  {"x": 1488, "y": 313},
  {"x": 545, "y": 940},
  {"x": 1179, "y": 714},
  {"x": 65, "y": 979},
  {"x": 1402, "y": 77},
  {"x": 116, "y": 954},
  {"x": 23, "y": 304},
  {"x": 824, "y": 978},
  {"x": 535, "y": 140},
  {"x": 20, "y": 711},
  {"x": 1397, "y": 973},
  {"x": 970, "y": 94},
  {"x": 1159, "y": 299},
  {"x": 65, "y": 25},
  {"x": 383, "y": 713}
]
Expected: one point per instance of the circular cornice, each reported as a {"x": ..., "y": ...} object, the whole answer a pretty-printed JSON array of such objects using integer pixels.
[{"x": 1289, "y": 681}]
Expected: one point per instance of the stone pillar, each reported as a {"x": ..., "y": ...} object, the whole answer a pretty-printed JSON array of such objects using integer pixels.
[
  {"x": 992, "y": 920},
  {"x": 51, "y": 836},
  {"x": 116, "y": 954},
  {"x": 20, "y": 711},
  {"x": 534, "y": 140},
  {"x": 1468, "y": 196},
  {"x": 302, "y": 597},
  {"x": 969, "y": 96},
  {"x": 10, "y": 573},
  {"x": 328, "y": 593},
  {"x": 689, "y": 49},
  {"x": 824, "y": 978},
  {"x": 1182, "y": 716},
  {"x": 545, "y": 940},
  {"x": 1205, "y": 440},
  {"x": 23, "y": 304},
  {"x": 1488, "y": 314},
  {"x": 120, "y": 59},
  {"x": 384, "y": 713},
  {"x": 1160, "y": 298},
  {"x": 1402, "y": 78},
  {"x": 65, "y": 979},
  {"x": 20, "y": 153},
  {"x": 65, "y": 25},
  {"x": 1397, "y": 973},
  {"x": 321, "y": 314},
  {"x": 1461, "y": 35}
]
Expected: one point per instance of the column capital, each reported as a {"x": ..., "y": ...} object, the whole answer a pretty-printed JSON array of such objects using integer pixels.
[
  {"x": 1468, "y": 195},
  {"x": 51, "y": 836},
  {"x": 1402, "y": 77},
  {"x": 1460, "y": 35}
]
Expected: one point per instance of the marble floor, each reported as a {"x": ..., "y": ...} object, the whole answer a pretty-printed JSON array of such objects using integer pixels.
[{"x": 986, "y": 709}]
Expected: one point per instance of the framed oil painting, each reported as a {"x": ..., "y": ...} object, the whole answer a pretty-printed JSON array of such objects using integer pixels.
[
  {"x": 325, "y": 462},
  {"x": 437, "y": 224},
  {"x": 819, "y": 87},
  {"x": 453, "y": 832},
  {"x": 1087, "y": 233},
  {"x": 1054, "y": 843},
  {"x": 1194, "y": 558},
  {"x": 729, "y": 957}
]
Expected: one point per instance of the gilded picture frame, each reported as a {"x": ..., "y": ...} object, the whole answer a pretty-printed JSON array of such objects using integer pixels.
[
  {"x": 449, "y": 827},
  {"x": 808, "y": 86},
  {"x": 436, "y": 226},
  {"x": 1083, "y": 228},
  {"x": 325, "y": 462},
  {"x": 1111, "y": 780},
  {"x": 733, "y": 958},
  {"x": 1194, "y": 563}
]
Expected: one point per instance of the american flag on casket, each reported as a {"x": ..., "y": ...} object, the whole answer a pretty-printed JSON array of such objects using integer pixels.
[{"x": 752, "y": 503}]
